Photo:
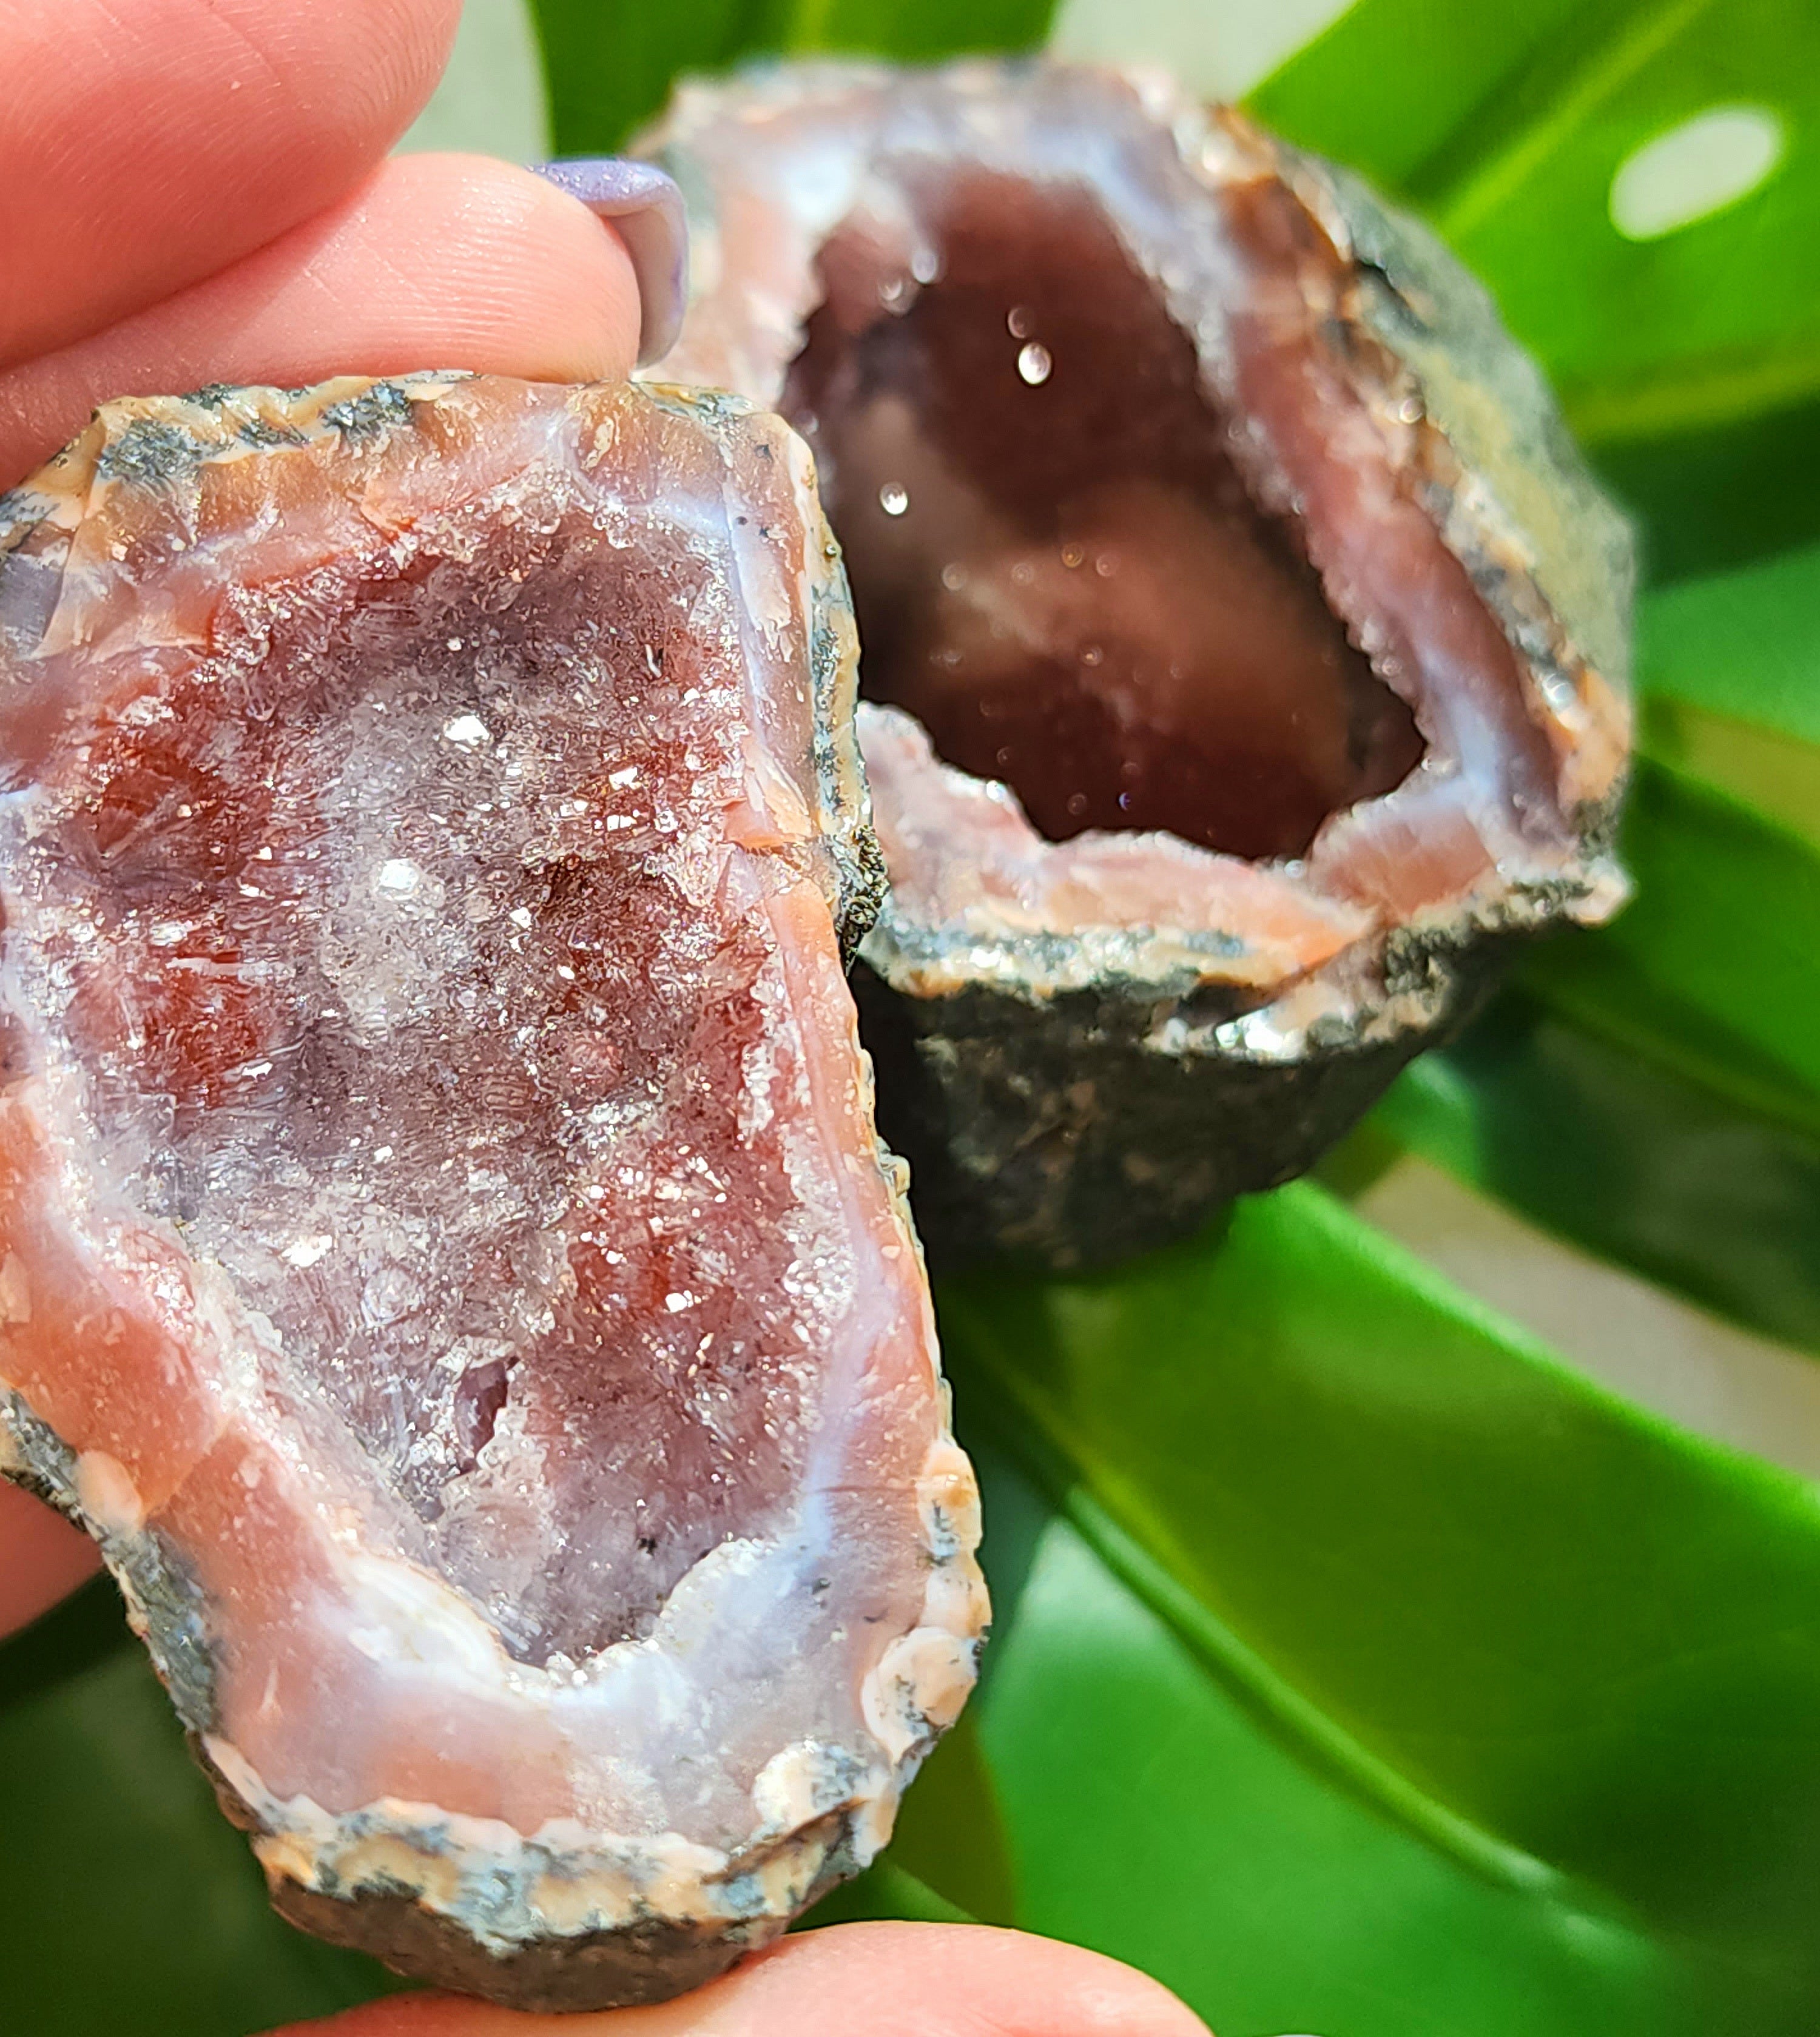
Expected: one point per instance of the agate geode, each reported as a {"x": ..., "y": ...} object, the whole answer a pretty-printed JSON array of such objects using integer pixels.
[
  {"x": 445, "y": 1255},
  {"x": 1246, "y": 643}
]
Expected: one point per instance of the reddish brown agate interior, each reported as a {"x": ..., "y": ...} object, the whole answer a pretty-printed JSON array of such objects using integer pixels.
[
  {"x": 1057, "y": 567},
  {"x": 386, "y": 981}
]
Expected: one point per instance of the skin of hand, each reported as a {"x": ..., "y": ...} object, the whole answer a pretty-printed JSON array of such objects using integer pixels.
[{"x": 199, "y": 191}]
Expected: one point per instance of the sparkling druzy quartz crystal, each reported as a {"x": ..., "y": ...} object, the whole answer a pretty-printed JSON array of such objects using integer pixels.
[
  {"x": 445, "y": 1255},
  {"x": 1243, "y": 643}
]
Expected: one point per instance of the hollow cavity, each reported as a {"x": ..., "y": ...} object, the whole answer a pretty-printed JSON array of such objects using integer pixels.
[
  {"x": 406, "y": 998},
  {"x": 1056, "y": 565}
]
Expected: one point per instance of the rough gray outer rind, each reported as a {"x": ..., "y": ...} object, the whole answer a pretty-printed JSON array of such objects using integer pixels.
[
  {"x": 1497, "y": 410},
  {"x": 1065, "y": 1134},
  {"x": 631, "y": 1968},
  {"x": 628, "y": 1967},
  {"x": 164, "y": 1602}
]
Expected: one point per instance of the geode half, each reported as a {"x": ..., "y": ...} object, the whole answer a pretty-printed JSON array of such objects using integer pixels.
[
  {"x": 1248, "y": 642},
  {"x": 445, "y": 1254}
]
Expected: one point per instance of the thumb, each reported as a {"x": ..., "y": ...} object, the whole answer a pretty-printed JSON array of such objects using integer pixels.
[
  {"x": 886, "y": 1980},
  {"x": 42, "y": 1557}
]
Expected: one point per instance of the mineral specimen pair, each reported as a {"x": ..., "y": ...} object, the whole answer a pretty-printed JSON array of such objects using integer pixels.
[{"x": 448, "y": 1259}]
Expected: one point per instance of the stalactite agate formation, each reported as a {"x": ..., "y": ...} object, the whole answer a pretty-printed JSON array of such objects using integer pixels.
[
  {"x": 444, "y": 1253},
  {"x": 1249, "y": 645}
]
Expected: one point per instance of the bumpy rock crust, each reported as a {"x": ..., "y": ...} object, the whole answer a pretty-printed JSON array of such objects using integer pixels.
[
  {"x": 1073, "y": 1121},
  {"x": 1110, "y": 1127},
  {"x": 562, "y": 1915}
]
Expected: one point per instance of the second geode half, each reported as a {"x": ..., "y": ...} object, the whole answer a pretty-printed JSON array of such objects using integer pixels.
[{"x": 1247, "y": 643}]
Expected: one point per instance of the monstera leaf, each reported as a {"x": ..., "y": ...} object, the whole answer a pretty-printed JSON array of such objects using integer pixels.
[{"x": 1362, "y": 1666}]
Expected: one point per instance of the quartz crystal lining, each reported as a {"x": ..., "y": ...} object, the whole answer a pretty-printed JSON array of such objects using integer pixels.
[{"x": 440, "y": 1188}]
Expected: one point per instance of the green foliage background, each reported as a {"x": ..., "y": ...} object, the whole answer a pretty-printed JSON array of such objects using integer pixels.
[{"x": 1361, "y": 1665}]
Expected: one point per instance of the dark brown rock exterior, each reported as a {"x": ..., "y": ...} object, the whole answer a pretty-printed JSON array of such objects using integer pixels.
[
  {"x": 1245, "y": 644},
  {"x": 446, "y": 1258}
]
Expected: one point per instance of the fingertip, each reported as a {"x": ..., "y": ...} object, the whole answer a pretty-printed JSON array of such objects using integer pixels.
[
  {"x": 885, "y": 1979},
  {"x": 1008, "y": 1983},
  {"x": 435, "y": 261},
  {"x": 547, "y": 277},
  {"x": 147, "y": 147},
  {"x": 645, "y": 205},
  {"x": 42, "y": 1558}
]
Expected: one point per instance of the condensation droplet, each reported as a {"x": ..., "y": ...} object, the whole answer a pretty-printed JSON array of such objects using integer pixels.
[
  {"x": 1073, "y": 555},
  {"x": 1017, "y": 322},
  {"x": 1034, "y": 363},
  {"x": 954, "y": 578},
  {"x": 894, "y": 498}
]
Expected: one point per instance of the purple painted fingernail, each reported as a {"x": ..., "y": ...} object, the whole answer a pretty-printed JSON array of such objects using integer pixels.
[{"x": 647, "y": 208}]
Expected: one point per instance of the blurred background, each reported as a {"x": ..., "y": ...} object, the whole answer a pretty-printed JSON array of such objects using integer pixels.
[{"x": 1408, "y": 1594}]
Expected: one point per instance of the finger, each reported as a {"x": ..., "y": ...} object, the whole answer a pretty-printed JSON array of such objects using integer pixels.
[
  {"x": 149, "y": 144},
  {"x": 42, "y": 1558},
  {"x": 434, "y": 262},
  {"x": 646, "y": 209},
  {"x": 886, "y": 1980}
]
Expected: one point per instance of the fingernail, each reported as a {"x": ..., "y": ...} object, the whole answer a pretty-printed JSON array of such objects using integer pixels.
[{"x": 647, "y": 208}]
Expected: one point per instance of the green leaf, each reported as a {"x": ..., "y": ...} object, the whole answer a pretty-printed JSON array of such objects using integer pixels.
[
  {"x": 1711, "y": 496},
  {"x": 1422, "y": 1689},
  {"x": 610, "y": 67},
  {"x": 1652, "y": 1096},
  {"x": 132, "y": 1906},
  {"x": 1506, "y": 127},
  {"x": 1744, "y": 644},
  {"x": 1565, "y": 1648},
  {"x": 1152, "y": 1813},
  {"x": 1777, "y": 774},
  {"x": 1710, "y": 973},
  {"x": 1601, "y": 1146}
]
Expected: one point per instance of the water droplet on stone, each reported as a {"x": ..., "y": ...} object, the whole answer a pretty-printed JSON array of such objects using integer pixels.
[
  {"x": 1034, "y": 363},
  {"x": 894, "y": 498},
  {"x": 1017, "y": 322}
]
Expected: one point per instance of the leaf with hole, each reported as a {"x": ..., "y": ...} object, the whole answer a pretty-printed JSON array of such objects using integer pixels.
[{"x": 1512, "y": 129}]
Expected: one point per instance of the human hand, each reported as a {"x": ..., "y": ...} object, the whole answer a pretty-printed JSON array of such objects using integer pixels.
[{"x": 198, "y": 191}]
